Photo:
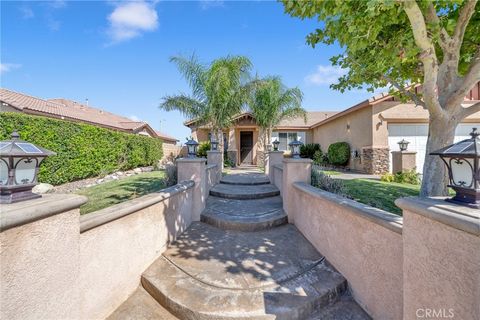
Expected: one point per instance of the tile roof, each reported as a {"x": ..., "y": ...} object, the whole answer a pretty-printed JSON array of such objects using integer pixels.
[
  {"x": 64, "y": 108},
  {"x": 313, "y": 117},
  {"x": 165, "y": 136}
]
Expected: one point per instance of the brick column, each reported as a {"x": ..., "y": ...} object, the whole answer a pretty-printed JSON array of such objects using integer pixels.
[
  {"x": 441, "y": 259},
  {"x": 194, "y": 169},
  {"x": 272, "y": 158},
  {"x": 375, "y": 160},
  {"x": 216, "y": 157},
  {"x": 294, "y": 170}
]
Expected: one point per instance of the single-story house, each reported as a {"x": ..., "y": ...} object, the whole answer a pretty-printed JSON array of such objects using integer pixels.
[
  {"x": 372, "y": 128},
  {"x": 64, "y": 109}
]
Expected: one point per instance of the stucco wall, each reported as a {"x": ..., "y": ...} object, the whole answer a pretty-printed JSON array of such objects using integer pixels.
[
  {"x": 359, "y": 135},
  {"x": 363, "y": 244},
  {"x": 278, "y": 176}
]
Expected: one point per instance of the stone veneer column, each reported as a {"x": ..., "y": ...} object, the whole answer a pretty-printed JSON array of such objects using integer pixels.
[
  {"x": 194, "y": 169},
  {"x": 216, "y": 157},
  {"x": 441, "y": 260},
  {"x": 375, "y": 160},
  {"x": 272, "y": 158},
  {"x": 40, "y": 258},
  {"x": 403, "y": 161},
  {"x": 294, "y": 170}
]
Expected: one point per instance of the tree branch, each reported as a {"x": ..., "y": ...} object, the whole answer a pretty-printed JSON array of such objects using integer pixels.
[
  {"x": 406, "y": 92},
  {"x": 432, "y": 17},
  {"x": 465, "y": 112},
  {"x": 427, "y": 56},
  {"x": 463, "y": 18},
  {"x": 468, "y": 81}
]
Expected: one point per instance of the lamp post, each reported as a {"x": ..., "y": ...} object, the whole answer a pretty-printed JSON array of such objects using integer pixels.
[
  {"x": 213, "y": 144},
  {"x": 295, "y": 148},
  {"x": 403, "y": 145},
  {"x": 463, "y": 164},
  {"x": 275, "y": 145},
  {"x": 19, "y": 164},
  {"x": 192, "y": 148}
]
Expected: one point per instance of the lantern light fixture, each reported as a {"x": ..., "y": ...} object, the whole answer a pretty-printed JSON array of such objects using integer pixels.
[
  {"x": 463, "y": 164},
  {"x": 19, "y": 165},
  {"x": 213, "y": 144},
  {"x": 192, "y": 146},
  {"x": 275, "y": 145},
  {"x": 295, "y": 148},
  {"x": 403, "y": 144}
]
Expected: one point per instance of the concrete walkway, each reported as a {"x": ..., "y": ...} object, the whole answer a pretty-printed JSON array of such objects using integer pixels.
[{"x": 243, "y": 261}]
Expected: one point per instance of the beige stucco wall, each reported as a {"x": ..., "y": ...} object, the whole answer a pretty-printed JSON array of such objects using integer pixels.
[
  {"x": 441, "y": 269},
  {"x": 367, "y": 253},
  {"x": 359, "y": 135},
  {"x": 39, "y": 269}
]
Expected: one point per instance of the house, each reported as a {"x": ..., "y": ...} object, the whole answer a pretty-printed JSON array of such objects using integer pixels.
[
  {"x": 372, "y": 128},
  {"x": 64, "y": 109}
]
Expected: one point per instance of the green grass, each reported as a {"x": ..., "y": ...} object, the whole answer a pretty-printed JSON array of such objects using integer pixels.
[
  {"x": 113, "y": 192},
  {"x": 379, "y": 194},
  {"x": 331, "y": 172}
]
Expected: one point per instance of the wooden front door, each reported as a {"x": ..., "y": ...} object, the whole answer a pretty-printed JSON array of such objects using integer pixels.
[{"x": 246, "y": 147}]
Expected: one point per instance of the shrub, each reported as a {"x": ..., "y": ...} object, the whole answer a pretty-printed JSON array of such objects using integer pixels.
[
  {"x": 408, "y": 176},
  {"x": 227, "y": 162},
  {"x": 308, "y": 150},
  {"x": 318, "y": 157},
  {"x": 170, "y": 174},
  {"x": 82, "y": 150},
  {"x": 339, "y": 153},
  {"x": 203, "y": 147},
  {"x": 327, "y": 183}
]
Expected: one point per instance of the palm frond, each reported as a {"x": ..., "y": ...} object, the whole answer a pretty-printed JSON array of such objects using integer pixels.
[{"x": 194, "y": 72}]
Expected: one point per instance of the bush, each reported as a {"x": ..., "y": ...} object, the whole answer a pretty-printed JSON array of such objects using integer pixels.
[
  {"x": 327, "y": 183},
  {"x": 227, "y": 162},
  {"x": 408, "y": 176},
  {"x": 82, "y": 150},
  {"x": 170, "y": 174},
  {"x": 339, "y": 153},
  {"x": 318, "y": 157},
  {"x": 203, "y": 147},
  {"x": 308, "y": 150}
]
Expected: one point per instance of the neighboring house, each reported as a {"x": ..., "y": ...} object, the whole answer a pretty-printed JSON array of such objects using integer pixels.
[
  {"x": 64, "y": 109},
  {"x": 372, "y": 128}
]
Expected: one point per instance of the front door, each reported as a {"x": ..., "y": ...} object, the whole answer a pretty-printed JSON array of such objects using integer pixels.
[{"x": 246, "y": 147}]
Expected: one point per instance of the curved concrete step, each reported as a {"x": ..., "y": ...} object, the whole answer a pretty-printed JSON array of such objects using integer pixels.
[
  {"x": 245, "y": 179},
  {"x": 244, "y": 215},
  {"x": 224, "y": 275},
  {"x": 244, "y": 192}
]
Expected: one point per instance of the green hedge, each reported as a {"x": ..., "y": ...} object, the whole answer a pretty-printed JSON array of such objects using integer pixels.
[
  {"x": 339, "y": 153},
  {"x": 82, "y": 150}
]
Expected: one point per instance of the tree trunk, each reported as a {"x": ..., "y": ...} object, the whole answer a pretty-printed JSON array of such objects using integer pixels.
[{"x": 441, "y": 132}]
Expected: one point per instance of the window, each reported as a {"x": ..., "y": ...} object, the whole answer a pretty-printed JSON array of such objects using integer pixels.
[{"x": 286, "y": 137}]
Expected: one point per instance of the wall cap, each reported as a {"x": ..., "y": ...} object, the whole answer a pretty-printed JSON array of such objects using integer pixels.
[
  {"x": 20, "y": 213},
  {"x": 214, "y": 151},
  {"x": 375, "y": 215},
  {"x": 301, "y": 160},
  {"x": 103, "y": 216},
  {"x": 211, "y": 166},
  {"x": 192, "y": 160},
  {"x": 278, "y": 166},
  {"x": 456, "y": 216}
]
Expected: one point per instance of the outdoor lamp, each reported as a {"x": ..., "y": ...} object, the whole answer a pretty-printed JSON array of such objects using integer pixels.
[
  {"x": 213, "y": 144},
  {"x": 192, "y": 148},
  {"x": 463, "y": 163},
  {"x": 275, "y": 145},
  {"x": 19, "y": 163},
  {"x": 403, "y": 145},
  {"x": 295, "y": 148}
]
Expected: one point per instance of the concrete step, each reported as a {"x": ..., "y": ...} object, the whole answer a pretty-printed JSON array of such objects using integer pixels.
[
  {"x": 245, "y": 179},
  {"x": 244, "y": 215},
  {"x": 141, "y": 306},
  {"x": 213, "y": 274},
  {"x": 244, "y": 192},
  {"x": 344, "y": 309}
]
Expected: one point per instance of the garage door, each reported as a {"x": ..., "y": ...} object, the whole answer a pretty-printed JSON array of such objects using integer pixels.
[{"x": 417, "y": 135}]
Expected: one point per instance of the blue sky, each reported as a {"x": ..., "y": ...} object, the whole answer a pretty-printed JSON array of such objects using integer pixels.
[{"x": 116, "y": 53}]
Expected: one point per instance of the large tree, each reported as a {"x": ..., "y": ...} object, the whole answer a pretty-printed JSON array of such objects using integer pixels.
[
  {"x": 402, "y": 43},
  {"x": 271, "y": 102},
  {"x": 219, "y": 91}
]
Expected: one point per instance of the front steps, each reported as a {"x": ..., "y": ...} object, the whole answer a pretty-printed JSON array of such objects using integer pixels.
[{"x": 243, "y": 261}]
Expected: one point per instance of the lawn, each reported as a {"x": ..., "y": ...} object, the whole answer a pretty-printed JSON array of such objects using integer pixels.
[
  {"x": 379, "y": 194},
  {"x": 113, "y": 192}
]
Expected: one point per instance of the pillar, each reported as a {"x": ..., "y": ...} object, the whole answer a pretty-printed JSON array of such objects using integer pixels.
[
  {"x": 216, "y": 157},
  {"x": 272, "y": 158},
  {"x": 232, "y": 146},
  {"x": 194, "y": 169},
  {"x": 294, "y": 170},
  {"x": 403, "y": 161}
]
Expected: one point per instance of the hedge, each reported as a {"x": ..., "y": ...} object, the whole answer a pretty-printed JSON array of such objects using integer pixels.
[
  {"x": 339, "y": 153},
  {"x": 82, "y": 150}
]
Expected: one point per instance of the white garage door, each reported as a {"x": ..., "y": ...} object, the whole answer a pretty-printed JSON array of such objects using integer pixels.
[{"x": 417, "y": 135}]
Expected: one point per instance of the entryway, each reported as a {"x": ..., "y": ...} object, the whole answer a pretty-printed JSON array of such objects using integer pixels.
[{"x": 246, "y": 147}]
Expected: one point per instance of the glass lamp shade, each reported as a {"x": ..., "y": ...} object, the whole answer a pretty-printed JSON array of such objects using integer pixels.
[
  {"x": 25, "y": 170},
  {"x": 214, "y": 145},
  {"x": 275, "y": 145},
  {"x": 403, "y": 145},
  {"x": 192, "y": 148},
  {"x": 295, "y": 148}
]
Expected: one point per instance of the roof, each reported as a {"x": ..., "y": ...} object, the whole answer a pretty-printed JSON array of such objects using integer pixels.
[
  {"x": 165, "y": 136},
  {"x": 72, "y": 110}
]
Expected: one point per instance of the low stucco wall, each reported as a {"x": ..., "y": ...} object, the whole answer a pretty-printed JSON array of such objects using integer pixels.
[
  {"x": 362, "y": 243},
  {"x": 211, "y": 176},
  {"x": 278, "y": 176}
]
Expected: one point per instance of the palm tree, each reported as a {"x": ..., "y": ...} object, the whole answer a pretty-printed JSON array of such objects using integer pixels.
[
  {"x": 272, "y": 102},
  {"x": 219, "y": 91}
]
